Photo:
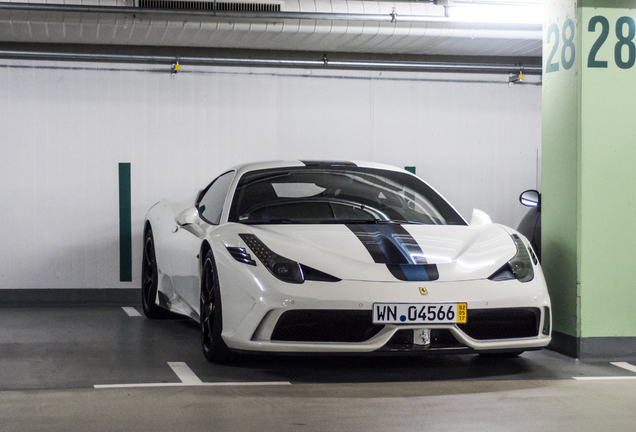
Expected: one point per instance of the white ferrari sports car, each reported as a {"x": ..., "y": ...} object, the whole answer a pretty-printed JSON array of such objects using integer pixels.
[{"x": 340, "y": 257}]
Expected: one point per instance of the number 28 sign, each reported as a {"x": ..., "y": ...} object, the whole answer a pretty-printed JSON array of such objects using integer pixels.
[{"x": 599, "y": 27}]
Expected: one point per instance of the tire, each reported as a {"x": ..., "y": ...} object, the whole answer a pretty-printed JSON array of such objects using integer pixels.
[
  {"x": 214, "y": 348},
  {"x": 150, "y": 279}
]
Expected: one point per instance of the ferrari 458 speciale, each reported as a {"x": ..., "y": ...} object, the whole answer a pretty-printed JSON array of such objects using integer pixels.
[{"x": 340, "y": 257}]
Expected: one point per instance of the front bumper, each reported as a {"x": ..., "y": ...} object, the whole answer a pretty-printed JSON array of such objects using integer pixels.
[{"x": 258, "y": 329}]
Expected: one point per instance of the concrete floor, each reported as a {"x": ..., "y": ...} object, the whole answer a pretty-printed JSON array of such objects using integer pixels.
[{"x": 55, "y": 362}]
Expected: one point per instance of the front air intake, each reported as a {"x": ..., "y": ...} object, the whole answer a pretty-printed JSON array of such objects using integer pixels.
[
  {"x": 325, "y": 326},
  {"x": 208, "y": 5},
  {"x": 505, "y": 323}
]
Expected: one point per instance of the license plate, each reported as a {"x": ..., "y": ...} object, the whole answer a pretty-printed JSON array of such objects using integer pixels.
[{"x": 419, "y": 313}]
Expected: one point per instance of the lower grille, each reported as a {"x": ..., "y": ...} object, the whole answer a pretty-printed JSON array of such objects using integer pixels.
[
  {"x": 510, "y": 323},
  {"x": 325, "y": 326},
  {"x": 440, "y": 339}
]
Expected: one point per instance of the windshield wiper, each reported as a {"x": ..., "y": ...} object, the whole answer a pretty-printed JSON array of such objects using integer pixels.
[
  {"x": 349, "y": 221},
  {"x": 329, "y": 221},
  {"x": 398, "y": 221},
  {"x": 371, "y": 221}
]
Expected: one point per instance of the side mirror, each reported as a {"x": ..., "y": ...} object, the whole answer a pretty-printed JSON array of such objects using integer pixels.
[
  {"x": 200, "y": 194},
  {"x": 190, "y": 221},
  {"x": 530, "y": 198},
  {"x": 479, "y": 218}
]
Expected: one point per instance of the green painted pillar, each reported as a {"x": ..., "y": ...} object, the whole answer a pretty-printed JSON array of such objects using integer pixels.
[{"x": 589, "y": 175}]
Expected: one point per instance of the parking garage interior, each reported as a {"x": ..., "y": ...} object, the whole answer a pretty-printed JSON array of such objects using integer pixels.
[{"x": 111, "y": 106}]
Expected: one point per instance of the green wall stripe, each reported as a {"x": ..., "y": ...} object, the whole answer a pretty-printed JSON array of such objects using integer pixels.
[
  {"x": 410, "y": 169},
  {"x": 125, "y": 226}
]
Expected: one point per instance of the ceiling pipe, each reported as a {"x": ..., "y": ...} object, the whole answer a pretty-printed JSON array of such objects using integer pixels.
[
  {"x": 324, "y": 62},
  {"x": 269, "y": 16}
]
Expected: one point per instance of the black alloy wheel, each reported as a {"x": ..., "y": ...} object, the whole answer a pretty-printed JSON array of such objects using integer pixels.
[
  {"x": 149, "y": 279},
  {"x": 214, "y": 347}
]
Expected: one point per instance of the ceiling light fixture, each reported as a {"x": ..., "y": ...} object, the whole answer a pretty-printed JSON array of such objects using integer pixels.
[{"x": 505, "y": 12}]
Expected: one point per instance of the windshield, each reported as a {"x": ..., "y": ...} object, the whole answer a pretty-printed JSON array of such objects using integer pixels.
[{"x": 337, "y": 195}]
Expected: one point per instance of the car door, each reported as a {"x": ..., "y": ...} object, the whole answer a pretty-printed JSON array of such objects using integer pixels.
[{"x": 185, "y": 277}]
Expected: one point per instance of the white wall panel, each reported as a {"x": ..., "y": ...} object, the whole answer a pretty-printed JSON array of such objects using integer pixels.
[{"x": 65, "y": 127}]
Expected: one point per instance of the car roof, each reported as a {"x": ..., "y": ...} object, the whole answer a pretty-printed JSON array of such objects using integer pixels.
[{"x": 243, "y": 168}]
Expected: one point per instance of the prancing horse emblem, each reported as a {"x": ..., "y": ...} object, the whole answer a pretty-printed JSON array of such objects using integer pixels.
[{"x": 423, "y": 291}]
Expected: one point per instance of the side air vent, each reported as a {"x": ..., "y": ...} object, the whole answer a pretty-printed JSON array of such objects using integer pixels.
[
  {"x": 209, "y": 5},
  {"x": 241, "y": 255}
]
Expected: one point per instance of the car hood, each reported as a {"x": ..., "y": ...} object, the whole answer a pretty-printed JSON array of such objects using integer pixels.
[{"x": 371, "y": 252}]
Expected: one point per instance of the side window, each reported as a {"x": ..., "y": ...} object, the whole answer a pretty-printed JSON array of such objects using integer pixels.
[{"x": 211, "y": 204}]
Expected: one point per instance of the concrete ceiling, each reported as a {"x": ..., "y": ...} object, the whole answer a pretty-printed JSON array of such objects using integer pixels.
[{"x": 336, "y": 26}]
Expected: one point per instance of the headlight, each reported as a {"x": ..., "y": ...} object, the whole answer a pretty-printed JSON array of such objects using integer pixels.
[
  {"x": 281, "y": 267},
  {"x": 519, "y": 267}
]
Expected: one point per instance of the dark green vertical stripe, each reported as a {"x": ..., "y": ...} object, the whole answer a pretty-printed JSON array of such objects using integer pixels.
[
  {"x": 125, "y": 228},
  {"x": 410, "y": 169}
]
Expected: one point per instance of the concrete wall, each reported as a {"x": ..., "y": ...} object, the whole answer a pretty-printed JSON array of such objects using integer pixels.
[{"x": 65, "y": 127}]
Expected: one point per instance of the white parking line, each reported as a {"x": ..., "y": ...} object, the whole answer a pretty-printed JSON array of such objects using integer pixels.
[
  {"x": 184, "y": 373},
  {"x": 624, "y": 365},
  {"x": 211, "y": 384},
  {"x": 189, "y": 379},
  {"x": 131, "y": 311},
  {"x": 605, "y": 378}
]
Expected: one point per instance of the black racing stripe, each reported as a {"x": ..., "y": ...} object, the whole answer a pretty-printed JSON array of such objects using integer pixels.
[
  {"x": 417, "y": 255},
  {"x": 433, "y": 272},
  {"x": 380, "y": 247},
  {"x": 394, "y": 246},
  {"x": 396, "y": 271},
  {"x": 389, "y": 243},
  {"x": 318, "y": 163}
]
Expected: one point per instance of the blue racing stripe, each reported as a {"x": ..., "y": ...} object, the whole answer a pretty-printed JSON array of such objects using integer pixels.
[{"x": 414, "y": 272}]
